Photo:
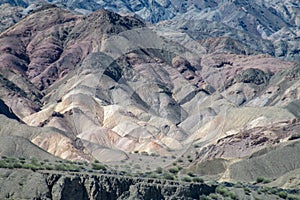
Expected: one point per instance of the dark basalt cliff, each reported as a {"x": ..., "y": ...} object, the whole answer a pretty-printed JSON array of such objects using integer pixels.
[{"x": 26, "y": 184}]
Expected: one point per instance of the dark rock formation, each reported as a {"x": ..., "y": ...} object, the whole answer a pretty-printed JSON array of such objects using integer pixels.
[{"x": 93, "y": 187}]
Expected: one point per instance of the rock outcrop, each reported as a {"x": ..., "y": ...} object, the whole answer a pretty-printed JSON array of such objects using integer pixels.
[{"x": 25, "y": 184}]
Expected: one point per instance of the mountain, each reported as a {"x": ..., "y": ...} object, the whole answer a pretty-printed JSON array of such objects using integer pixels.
[
  {"x": 174, "y": 100},
  {"x": 269, "y": 27}
]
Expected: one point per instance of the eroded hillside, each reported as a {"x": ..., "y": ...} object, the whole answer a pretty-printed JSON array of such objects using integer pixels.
[{"x": 111, "y": 88}]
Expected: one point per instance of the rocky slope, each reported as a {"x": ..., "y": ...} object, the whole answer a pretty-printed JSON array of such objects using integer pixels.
[
  {"x": 111, "y": 88},
  {"x": 272, "y": 25}
]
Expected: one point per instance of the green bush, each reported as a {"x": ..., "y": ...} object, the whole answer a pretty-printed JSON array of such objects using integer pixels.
[
  {"x": 191, "y": 174},
  {"x": 152, "y": 175},
  {"x": 17, "y": 165},
  {"x": 198, "y": 180},
  {"x": 221, "y": 190},
  {"x": 30, "y": 166},
  {"x": 159, "y": 170},
  {"x": 273, "y": 191},
  {"x": 49, "y": 167},
  {"x": 213, "y": 196},
  {"x": 204, "y": 197},
  {"x": 232, "y": 195},
  {"x": 98, "y": 167},
  {"x": 292, "y": 197},
  {"x": 168, "y": 176},
  {"x": 186, "y": 179},
  {"x": 247, "y": 191},
  {"x": 174, "y": 170},
  {"x": 60, "y": 167},
  {"x": 3, "y": 164},
  {"x": 261, "y": 179},
  {"x": 282, "y": 194},
  {"x": 34, "y": 161}
]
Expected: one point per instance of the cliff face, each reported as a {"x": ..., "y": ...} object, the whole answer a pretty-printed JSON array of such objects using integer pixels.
[{"x": 26, "y": 184}]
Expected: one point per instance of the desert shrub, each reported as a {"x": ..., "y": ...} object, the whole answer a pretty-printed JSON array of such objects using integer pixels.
[
  {"x": 232, "y": 195},
  {"x": 97, "y": 161},
  {"x": 292, "y": 197},
  {"x": 191, "y": 174},
  {"x": 204, "y": 197},
  {"x": 152, "y": 175},
  {"x": 3, "y": 164},
  {"x": 247, "y": 190},
  {"x": 190, "y": 160},
  {"x": 186, "y": 179},
  {"x": 73, "y": 168},
  {"x": 180, "y": 160},
  {"x": 17, "y": 165},
  {"x": 60, "y": 167},
  {"x": 282, "y": 194},
  {"x": 159, "y": 170},
  {"x": 198, "y": 180},
  {"x": 98, "y": 167},
  {"x": 261, "y": 179},
  {"x": 213, "y": 196},
  {"x": 273, "y": 191},
  {"x": 34, "y": 161},
  {"x": 10, "y": 160},
  {"x": 222, "y": 191},
  {"x": 174, "y": 170},
  {"x": 49, "y": 167},
  {"x": 30, "y": 166},
  {"x": 168, "y": 176}
]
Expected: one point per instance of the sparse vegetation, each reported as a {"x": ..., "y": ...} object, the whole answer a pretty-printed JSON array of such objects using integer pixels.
[
  {"x": 198, "y": 180},
  {"x": 261, "y": 179},
  {"x": 282, "y": 194},
  {"x": 191, "y": 174},
  {"x": 174, "y": 170},
  {"x": 225, "y": 192},
  {"x": 159, "y": 170},
  {"x": 186, "y": 179},
  {"x": 168, "y": 176},
  {"x": 247, "y": 191}
]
